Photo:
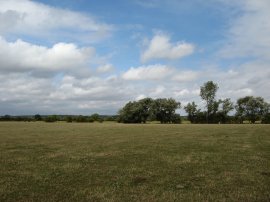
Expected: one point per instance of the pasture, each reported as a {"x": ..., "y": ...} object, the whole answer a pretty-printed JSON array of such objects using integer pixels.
[{"x": 116, "y": 162}]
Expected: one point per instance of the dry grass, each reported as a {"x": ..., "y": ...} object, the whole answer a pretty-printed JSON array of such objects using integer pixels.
[{"x": 116, "y": 162}]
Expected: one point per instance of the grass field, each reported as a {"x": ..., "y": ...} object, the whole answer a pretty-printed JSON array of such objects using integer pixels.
[{"x": 115, "y": 162}]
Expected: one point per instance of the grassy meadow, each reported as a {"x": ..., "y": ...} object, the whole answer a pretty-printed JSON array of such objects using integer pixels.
[{"x": 116, "y": 162}]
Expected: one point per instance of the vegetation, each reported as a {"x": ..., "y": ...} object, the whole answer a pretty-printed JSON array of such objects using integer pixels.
[
  {"x": 208, "y": 93},
  {"x": 248, "y": 108},
  {"x": 161, "y": 109},
  {"x": 251, "y": 108},
  {"x": 123, "y": 162}
]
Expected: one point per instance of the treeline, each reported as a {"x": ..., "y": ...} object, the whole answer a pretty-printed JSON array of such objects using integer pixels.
[
  {"x": 54, "y": 118},
  {"x": 248, "y": 108}
]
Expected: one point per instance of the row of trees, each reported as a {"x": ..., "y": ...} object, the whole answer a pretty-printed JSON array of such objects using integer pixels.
[
  {"x": 247, "y": 108},
  {"x": 53, "y": 118}
]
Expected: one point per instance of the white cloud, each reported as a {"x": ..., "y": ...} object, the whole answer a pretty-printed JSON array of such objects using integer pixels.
[
  {"x": 22, "y": 93},
  {"x": 105, "y": 68},
  {"x": 37, "y": 19},
  {"x": 23, "y": 56},
  {"x": 185, "y": 76},
  {"x": 160, "y": 47},
  {"x": 141, "y": 96},
  {"x": 181, "y": 93},
  {"x": 151, "y": 72},
  {"x": 248, "y": 33}
]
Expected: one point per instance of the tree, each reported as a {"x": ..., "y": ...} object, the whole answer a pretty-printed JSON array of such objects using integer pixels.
[
  {"x": 140, "y": 111},
  {"x": 69, "y": 119},
  {"x": 81, "y": 119},
  {"x": 164, "y": 109},
  {"x": 266, "y": 118},
  {"x": 226, "y": 107},
  {"x": 136, "y": 112},
  {"x": 208, "y": 93},
  {"x": 145, "y": 108},
  {"x": 96, "y": 117},
  {"x": 191, "y": 110},
  {"x": 38, "y": 117},
  {"x": 51, "y": 118},
  {"x": 251, "y": 108}
]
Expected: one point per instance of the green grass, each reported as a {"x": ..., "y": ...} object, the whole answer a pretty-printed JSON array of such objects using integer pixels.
[{"x": 116, "y": 162}]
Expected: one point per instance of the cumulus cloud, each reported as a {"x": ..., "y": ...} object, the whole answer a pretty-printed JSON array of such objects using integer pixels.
[
  {"x": 248, "y": 33},
  {"x": 151, "y": 72},
  {"x": 185, "y": 76},
  {"x": 22, "y": 93},
  {"x": 21, "y": 56},
  {"x": 105, "y": 68},
  {"x": 160, "y": 47},
  {"x": 37, "y": 19}
]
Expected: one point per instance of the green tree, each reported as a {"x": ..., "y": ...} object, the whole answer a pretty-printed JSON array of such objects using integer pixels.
[
  {"x": 69, "y": 119},
  {"x": 135, "y": 112},
  {"x": 96, "y": 117},
  {"x": 37, "y": 117},
  {"x": 251, "y": 108},
  {"x": 208, "y": 93},
  {"x": 191, "y": 110},
  {"x": 51, "y": 118},
  {"x": 225, "y": 108},
  {"x": 164, "y": 109}
]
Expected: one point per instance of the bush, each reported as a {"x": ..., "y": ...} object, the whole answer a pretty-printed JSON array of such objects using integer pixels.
[
  {"x": 81, "y": 119},
  {"x": 50, "y": 119},
  {"x": 266, "y": 119},
  {"x": 69, "y": 119},
  {"x": 176, "y": 119}
]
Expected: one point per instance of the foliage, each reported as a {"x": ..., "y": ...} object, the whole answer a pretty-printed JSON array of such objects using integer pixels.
[
  {"x": 251, "y": 108},
  {"x": 96, "y": 117},
  {"x": 69, "y": 119},
  {"x": 164, "y": 109},
  {"x": 37, "y": 117},
  {"x": 51, "y": 118},
  {"x": 81, "y": 119},
  {"x": 266, "y": 118},
  {"x": 192, "y": 111},
  {"x": 208, "y": 93},
  {"x": 161, "y": 109}
]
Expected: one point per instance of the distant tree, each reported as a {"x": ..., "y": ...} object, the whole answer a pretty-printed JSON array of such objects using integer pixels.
[
  {"x": 37, "y": 117},
  {"x": 7, "y": 118},
  {"x": 51, "y": 118},
  {"x": 81, "y": 119},
  {"x": 136, "y": 112},
  {"x": 161, "y": 109},
  {"x": 164, "y": 109},
  {"x": 208, "y": 93},
  {"x": 226, "y": 107},
  {"x": 266, "y": 118},
  {"x": 145, "y": 108},
  {"x": 69, "y": 119},
  {"x": 191, "y": 110},
  {"x": 96, "y": 117},
  {"x": 176, "y": 119},
  {"x": 251, "y": 108}
]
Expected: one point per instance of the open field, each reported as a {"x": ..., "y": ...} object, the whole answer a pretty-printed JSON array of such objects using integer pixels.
[{"x": 115, "y": 162}]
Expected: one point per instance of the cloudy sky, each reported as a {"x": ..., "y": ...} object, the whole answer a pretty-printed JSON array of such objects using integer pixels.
[{"x": 87, "y": 56}]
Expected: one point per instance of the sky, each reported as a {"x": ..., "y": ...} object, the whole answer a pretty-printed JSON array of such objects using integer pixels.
[{"x": 93, "y": 56}]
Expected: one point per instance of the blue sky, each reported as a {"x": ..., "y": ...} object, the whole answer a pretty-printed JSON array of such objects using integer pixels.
[{"x": 87, "y": 56}]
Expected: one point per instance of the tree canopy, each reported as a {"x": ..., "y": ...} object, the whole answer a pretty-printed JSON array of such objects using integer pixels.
[{"x": 161, "y": 109}]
